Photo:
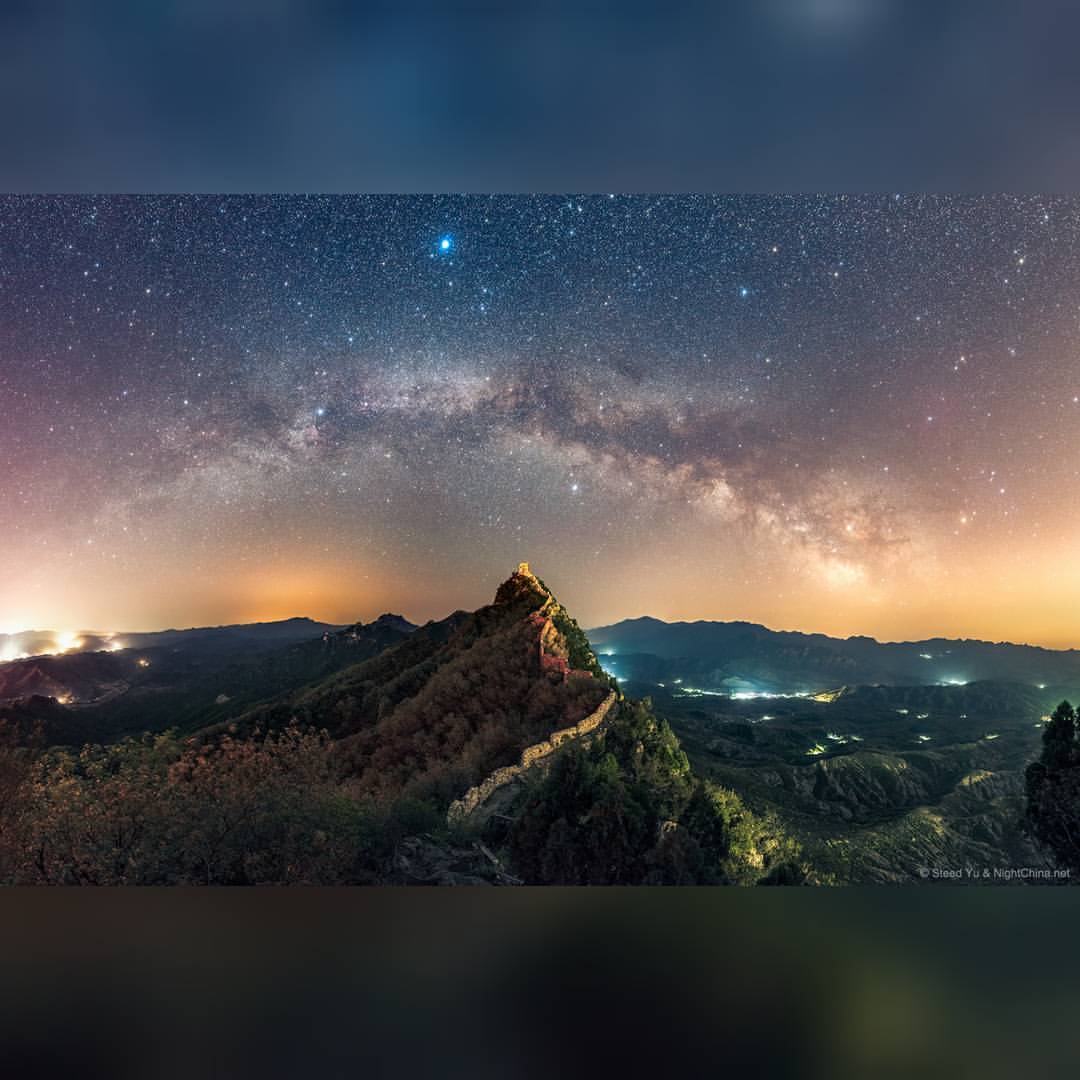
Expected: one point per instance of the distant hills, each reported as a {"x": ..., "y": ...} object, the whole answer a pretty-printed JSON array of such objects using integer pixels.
[
  {"x": 747, "y": 657},
  {"x": 34, "y": 643},
  {"x": 94, "y": 666},
  {"x": 183, "y": 679},
  {"x": 736, "y": 656}
]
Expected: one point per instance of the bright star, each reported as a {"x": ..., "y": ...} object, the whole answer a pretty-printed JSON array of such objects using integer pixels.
[{"x": 446, "y": 244}]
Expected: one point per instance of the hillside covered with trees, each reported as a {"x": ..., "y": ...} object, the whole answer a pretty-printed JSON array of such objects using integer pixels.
[{"x": 347, "y": 780}]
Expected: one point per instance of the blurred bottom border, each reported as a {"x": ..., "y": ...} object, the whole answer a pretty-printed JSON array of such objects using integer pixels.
[{"x": 531, "y": 982}]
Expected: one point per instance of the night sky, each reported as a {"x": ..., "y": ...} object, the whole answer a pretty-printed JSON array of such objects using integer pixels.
[{"x": 852, "y": 415}]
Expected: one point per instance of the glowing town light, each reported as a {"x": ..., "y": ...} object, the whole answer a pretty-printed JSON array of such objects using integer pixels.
[
  {"x": 751, "y": 695},
  {"x": 67, "y": 641},
  {"x": 9, "y": 651}
]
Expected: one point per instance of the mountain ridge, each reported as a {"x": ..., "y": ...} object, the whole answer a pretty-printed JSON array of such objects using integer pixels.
[
  {"x": 654, "y": 620},
  {"x": 749, "y": 656}
]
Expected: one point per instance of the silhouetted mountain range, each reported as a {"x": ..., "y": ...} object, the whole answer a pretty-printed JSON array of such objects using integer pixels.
[
  {"x": 34, "y": 643},
  {"x": 744, "y": 656},
  {"x": 185, "y": 679}
]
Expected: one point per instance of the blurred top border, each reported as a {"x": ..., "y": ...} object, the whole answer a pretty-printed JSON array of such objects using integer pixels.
[{"x": 324, "y": 95}]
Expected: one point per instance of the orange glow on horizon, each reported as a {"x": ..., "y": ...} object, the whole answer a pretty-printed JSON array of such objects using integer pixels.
[{"x": 1035, "y": 606}]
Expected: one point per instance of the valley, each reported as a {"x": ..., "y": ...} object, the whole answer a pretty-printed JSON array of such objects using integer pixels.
[{"x": 880, "y": 783}]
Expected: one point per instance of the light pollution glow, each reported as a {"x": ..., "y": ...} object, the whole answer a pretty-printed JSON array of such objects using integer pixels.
[
  {"x": 57, "y": 643},
  {"x": 821, "y": 414}
]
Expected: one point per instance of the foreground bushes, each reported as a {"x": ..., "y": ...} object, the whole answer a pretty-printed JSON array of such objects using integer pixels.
[
  {"x": 154, "y": 811},
  {"x": 286, "y": 808}
]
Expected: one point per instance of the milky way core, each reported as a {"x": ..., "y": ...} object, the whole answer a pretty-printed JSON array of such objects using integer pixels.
[{"x": 851, "y": 415}]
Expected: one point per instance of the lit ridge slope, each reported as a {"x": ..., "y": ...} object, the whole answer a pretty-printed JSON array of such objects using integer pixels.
[{"x": 434, "y": 715}]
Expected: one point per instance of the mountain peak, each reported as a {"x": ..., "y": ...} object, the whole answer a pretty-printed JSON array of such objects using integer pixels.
[
  {"x": 390, "y": 620},
  {"x": 524, "y": 594},
  {"x": 524, "y": 574},
  {"x": 523, "y": 586}
]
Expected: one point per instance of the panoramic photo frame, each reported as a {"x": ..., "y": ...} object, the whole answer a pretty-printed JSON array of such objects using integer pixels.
[{"x": 780, "y": 478}]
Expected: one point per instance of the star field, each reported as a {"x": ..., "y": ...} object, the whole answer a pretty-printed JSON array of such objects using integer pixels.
[{"x": 852, "y": 415}]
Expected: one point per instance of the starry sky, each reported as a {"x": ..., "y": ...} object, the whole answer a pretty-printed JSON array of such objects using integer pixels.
[{"x": 838, "y": 414}]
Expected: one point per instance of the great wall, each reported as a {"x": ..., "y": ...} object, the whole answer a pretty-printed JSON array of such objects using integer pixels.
[
  {"x": 552, "y": 658},
  {"x": 464, "y": 808}
]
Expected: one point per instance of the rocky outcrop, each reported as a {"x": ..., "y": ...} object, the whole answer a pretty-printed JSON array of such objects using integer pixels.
[
  {"x": 426, "y": 860},
  {"x": 462, "y": 809}
]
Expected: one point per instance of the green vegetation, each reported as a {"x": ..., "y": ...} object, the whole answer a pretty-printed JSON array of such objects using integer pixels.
[
  {"x": 626, "y": 809},
  {"x": 580, "y": 654},
  {"x": 878, "y": 806},
  {"x": 1053, "y": 789}
]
